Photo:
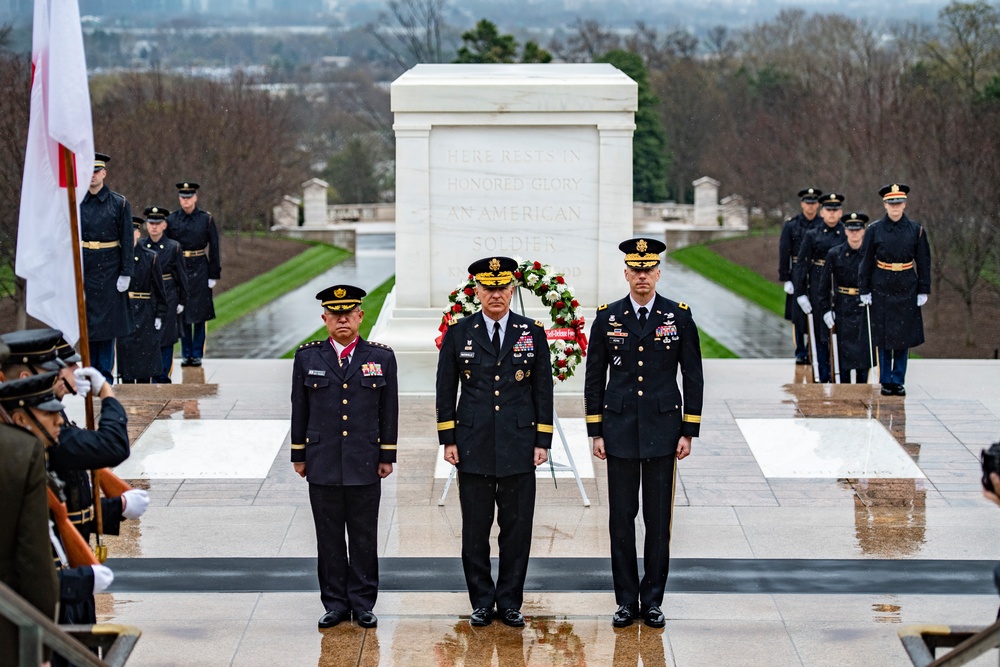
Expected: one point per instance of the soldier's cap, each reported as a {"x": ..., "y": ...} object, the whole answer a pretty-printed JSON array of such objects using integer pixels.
[
  {"x": 34, "y": 347},
  {"x": 832, "y": 200},
  {"x": 101, "y": 161},
  {"x": 894, "y": 192},
  {"x": 187, "y": 189},
  {"x": 810, "y": 195},
  {"x": 493, "y": 271},
  {"x": 855, "y": 220},
  {"x": 67, "y": 352},
  {"x": 137, "y": 221},
  {"x": 341, "y": 298},
  {"x": 155, "y": 214},
  {"x": 642, "y": 253},
  {"x": 35, "y": 391}
]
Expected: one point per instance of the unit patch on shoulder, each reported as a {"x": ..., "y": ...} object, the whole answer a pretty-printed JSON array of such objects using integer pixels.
[
  {"x": 602, "y": 307},
  {"x": 683, "y": 306}
]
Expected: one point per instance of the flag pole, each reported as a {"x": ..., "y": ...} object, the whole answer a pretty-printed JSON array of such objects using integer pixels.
[{"x": 81, "y": 316}]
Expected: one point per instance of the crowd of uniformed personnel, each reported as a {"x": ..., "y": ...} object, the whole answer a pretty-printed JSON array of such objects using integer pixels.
[
  {"x": 144, "y": 291},
  {"x": 868, "y": 286}
]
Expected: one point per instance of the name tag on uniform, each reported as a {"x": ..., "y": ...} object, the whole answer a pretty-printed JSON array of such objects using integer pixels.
[
  {"x": 467, "y": 354},
  {"x": 317, "y": 372},
  {"x": 371, "y": 369}
]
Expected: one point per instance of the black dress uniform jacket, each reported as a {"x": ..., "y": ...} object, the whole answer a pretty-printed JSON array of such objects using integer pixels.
[
  {"x": 106, "y": 218},
  {"x": 25, "y": 551},
  {"x": 139, "y": 353},
  {"x": 344, "y": 419},
  {"x": 505, "y": 409},
  {"x": 197, "y": 233},
  {"x": 792, "y": 234},
  {"x": 808, "y": 274},
  {"x": 840, "y": 283},
  {"x": 896, "y": 319},
  {"x": 636, "y": 405},
  {"x": 169, "y": 257}
]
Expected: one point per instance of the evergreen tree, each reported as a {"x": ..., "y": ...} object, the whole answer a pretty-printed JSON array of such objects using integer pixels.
[{"x": 485, "y": 44}]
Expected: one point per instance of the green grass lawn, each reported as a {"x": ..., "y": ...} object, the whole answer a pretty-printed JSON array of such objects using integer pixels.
[
  {"x": 713, "y": 349},
  {"x": 738, "y": 279},
  {"x": 372, "y": 306},
  {"x": 251, "y": 295}
]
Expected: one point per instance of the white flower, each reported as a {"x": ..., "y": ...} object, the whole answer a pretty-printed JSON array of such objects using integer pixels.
[
  {"x": 532, "y": 280},
  {"x": 551, "y": 297},
  {"x": 560, "y": 345}
]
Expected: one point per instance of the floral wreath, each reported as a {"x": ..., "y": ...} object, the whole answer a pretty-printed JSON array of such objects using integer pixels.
[{"x": 567, "y": 340}]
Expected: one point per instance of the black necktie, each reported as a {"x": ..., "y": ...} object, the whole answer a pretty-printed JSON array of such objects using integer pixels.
[
  {"x": 496, "y": 339},
  {"x": 642, "y": 316}
]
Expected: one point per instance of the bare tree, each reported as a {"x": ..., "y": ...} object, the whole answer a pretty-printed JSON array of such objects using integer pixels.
[
  {"x": 412, "y": 32},
  {"x": 588, "y": 41}
]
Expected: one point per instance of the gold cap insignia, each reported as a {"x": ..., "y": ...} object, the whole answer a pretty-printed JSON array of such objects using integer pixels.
[
  {"x": 494, "y": 264},
  {"x": 340, "y": 293},
  {"x": 641, "y": 245},
  {"x": 895, "y": 187}
]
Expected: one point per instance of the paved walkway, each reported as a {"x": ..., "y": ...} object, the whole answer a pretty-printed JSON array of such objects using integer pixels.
[{"x": 272, "y": 330}]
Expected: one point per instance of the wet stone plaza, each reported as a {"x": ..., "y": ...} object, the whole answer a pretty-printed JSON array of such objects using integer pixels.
[{"x": 812, "y": 523}]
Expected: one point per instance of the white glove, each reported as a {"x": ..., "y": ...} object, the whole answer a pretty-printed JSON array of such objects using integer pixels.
[
  {"x": 789, "y": 287},
  {"x": 82, "y": 383},
  {"x": 123, "y": 283},
  {"x": 866, "y": 299},
  {"x": 211, "y": 283},
  {"x": 180, "y": 308},
  {"x": 921, "y": 300},
  {"x": 89, "y": 376},
  {"x": 829, "y": 318},
  {"x": 804, "y": 304},
  {"x": 103, "y": 576},
  {"x": 135, "y": 502},
  {"x": 157, "y": 323}
]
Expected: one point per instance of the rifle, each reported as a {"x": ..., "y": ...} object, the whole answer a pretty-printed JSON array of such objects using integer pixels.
[
  {"x": 835, "y": 351},
  {"x": 812, "y": 347}
]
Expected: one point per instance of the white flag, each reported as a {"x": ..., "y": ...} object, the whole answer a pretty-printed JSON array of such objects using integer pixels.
[{"x": 60, "y": 114}]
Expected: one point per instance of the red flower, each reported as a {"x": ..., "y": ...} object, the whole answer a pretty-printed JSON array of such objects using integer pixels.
[
  {"x": 560, "y": 280},
  {"x": 517, "y": 274},
  {"x": 543, "y": 288},
  {"x": 469, "y": 291},
  {"x": 536, "y": 265},
  {"x": 574, "y": 303},
  {"x": 457, "y": 308},
  {"x": 568, "y": 350},
  {"x": 560, "y": 305},
  {"x": 560, "y": 320},
  {"x": 561, "y": 377},
  {"x": 455, "y": 293},
  {"x": 561, "y": 363}
]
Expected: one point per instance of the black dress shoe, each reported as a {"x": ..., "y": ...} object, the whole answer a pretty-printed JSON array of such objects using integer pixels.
[
  {"x": 801, "y": 361},
  {"x": 365, "y": 619},
  {"x": 332, "y": 618},
  {"x": 625, "y": 615},
  {"x": 653, "y": 617},
  {"x": 481, "y": 617},
  {"x": 512, "y": 617},
  {"x": 185, "y": 362},
  {"x": 196, "y": 361},
  {"x": 899, "y": 390},
  {"x": 888, "y": 389}
]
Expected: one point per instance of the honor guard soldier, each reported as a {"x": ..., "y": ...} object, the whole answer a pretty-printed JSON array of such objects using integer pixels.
[
  {"x": 345, "y": 415},
  {"x": 792, "y": 234},
  {"x": 139, "y": 359},
  {"x": 641, "y": 423},
  {"x": 808, "y": 272},
  {"x": 496, "y": 433},
  {"x": 895, "y": 281},
  {"x": 840, "y": 282},
  {"x": 106, "y": 230},
  {"x": 170, "y": 258},
  {"x": 32, "y": 405},
  {"x": 195, "y": 230}
]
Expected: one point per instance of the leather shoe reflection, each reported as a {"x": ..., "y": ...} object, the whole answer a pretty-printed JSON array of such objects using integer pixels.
[
  {"x": 625, "y": 615},
  {"x": 332, "y": 618},
  {"x": 365, "y": 618},
  {"x": 349, "y": 646},
  {"x": 512, "y": 618},
  {"x": 481, "y": 617},
  {"x": 637, "y": 642}
]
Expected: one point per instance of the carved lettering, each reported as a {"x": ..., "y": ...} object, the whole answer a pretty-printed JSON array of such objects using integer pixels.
[{"x": 514, "y": 244}]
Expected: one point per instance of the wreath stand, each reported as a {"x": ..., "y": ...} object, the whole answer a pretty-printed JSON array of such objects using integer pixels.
[{"x": 552, "y": 464}]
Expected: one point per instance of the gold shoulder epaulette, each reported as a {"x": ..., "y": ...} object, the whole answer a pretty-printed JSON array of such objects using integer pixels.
[
  {"x": 539, "y": 323},
  {"x": 683, "y": 306},
  {"x": 381, "y": 345},
  {"x": 312, "y": 343},
  {"x": 602, "y": 307}
]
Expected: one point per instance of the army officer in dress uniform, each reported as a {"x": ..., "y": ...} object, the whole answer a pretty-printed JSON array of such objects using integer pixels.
[
  {"x": 106, "y": 233},
  {"x": 171, "y": 260},
  {"x": 139, "y": 359},
  {"x": 840, "y": 282},
  {"x": 345, "y": 414},
  {"x": 895, "y": 280},
  {"x": 792, "y": 233},
  {"x": 497, "y": 434},
  {"x": 195, "y": 230},
  {"x": 641, "y": 423}
]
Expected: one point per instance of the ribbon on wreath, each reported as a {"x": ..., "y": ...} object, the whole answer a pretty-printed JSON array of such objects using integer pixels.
[
  {"x": 445, "y": 323},
  {"x": 574, "y": 332}
]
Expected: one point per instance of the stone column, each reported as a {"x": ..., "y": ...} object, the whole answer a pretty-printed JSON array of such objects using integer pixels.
[
  {"x": 706, "y": 202},
  {"x": 314, "y": 202}
]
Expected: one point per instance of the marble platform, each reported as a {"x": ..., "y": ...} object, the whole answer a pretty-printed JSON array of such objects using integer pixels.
[{"x": 737, "y": 498}]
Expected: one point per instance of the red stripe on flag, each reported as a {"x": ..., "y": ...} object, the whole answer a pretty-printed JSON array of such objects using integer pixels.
[{"x": 63, "y": 181}]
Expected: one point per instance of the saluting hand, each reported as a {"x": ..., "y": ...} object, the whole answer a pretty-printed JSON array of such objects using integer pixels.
[{"x": 683, "y": 447}]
